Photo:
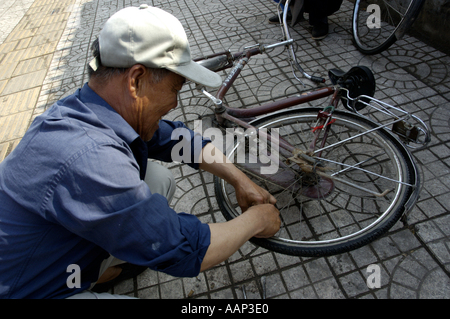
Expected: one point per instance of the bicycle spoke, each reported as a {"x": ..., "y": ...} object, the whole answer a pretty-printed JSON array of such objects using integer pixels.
[
  {"x": 349, "y": 167},
  {"x": 365, "y": 171}
]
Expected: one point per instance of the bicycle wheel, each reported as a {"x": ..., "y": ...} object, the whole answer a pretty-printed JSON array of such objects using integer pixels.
[
  {"x": 333, "y": 212},
  {"x": 377, "y": 24}
]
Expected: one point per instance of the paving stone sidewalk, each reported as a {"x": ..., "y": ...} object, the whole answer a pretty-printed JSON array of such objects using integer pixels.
[{"x": 43, "y": 54}]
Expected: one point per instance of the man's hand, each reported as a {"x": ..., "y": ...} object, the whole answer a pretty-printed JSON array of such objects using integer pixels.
[
  {"x": 269, "y": 218},
  {"x": 249, "y": 194}
]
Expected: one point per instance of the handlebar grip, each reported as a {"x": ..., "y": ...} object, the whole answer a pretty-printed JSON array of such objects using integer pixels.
[{"x": 317, "y": 79}]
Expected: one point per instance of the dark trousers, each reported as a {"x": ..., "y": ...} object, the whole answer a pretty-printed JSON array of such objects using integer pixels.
[{"x": 318, "y": 10}]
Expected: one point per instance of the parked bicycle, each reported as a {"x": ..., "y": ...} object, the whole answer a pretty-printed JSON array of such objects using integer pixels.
[
  {"x": 377, "y": 24},
  {"x": 343, "y": 178}
]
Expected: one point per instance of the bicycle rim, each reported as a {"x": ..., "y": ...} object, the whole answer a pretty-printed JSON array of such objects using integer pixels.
[
  {"x": 377, "y": 24},
  {"x": 322, "y": 216}
]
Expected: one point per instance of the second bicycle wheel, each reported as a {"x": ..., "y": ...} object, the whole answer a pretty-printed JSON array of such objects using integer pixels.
[
  {"x": 330, "y": 207},
  {"x": 377, "y": 24}
]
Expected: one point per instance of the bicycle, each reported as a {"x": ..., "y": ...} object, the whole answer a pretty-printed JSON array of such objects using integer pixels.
[
  {"x": 344, "y": 178},
  {"x": 377, "y": 24}
]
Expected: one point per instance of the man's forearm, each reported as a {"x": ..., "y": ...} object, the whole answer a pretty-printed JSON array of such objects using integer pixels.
[
  {"x": 214, "y": 161},
  {"x": 228, "y": 237},
  {"x": 259, "y": 216}
]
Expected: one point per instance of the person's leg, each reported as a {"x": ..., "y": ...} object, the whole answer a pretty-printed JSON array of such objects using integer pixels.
[
  {"x": 317, "y": 18},
  {"x": 161, "y": 181},
  {"x": 109, "y": 270},
  {"x": 319, "y": 24},
  {"x": 319, "y": 10}
]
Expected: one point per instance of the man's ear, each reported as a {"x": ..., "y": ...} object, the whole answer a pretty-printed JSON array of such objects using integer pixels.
[{"x": 134, "y": 79}]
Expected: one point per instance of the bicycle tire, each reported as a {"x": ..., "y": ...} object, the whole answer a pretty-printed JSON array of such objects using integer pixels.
[
  {"x": 345, "y": 213},
  {"x": 396, "y": 17}
]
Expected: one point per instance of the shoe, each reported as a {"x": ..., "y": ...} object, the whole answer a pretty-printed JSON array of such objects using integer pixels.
[
  {"x": 319, "y": 31},
  {"x": 275, "y": 20},
  {"x": 128, "y": 271}
]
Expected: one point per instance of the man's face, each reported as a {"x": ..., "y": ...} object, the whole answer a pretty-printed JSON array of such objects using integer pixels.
[{"x": 155, "y": 101}]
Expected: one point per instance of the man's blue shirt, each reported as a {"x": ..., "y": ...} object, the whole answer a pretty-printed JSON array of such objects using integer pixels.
[{"x": 72, "y": 193}]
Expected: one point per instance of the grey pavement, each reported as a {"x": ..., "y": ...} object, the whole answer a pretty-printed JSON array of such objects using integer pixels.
[{"x": 43, "y": 53}]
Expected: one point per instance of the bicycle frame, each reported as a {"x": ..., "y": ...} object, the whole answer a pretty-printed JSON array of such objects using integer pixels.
[{"x": 243, "y": 117}]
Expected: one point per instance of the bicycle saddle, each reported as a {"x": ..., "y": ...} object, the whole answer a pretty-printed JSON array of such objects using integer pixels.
[{"x": 359, "y": 80}]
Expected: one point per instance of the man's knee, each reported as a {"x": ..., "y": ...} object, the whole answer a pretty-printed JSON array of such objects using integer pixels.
[{"x": 160, "y": 180}]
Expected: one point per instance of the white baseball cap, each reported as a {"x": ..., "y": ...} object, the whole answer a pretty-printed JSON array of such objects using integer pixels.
[{"x": 154, "y": 38}]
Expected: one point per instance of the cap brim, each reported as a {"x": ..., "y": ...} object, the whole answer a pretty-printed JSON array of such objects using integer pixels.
[{"x": 196, "y": 73}]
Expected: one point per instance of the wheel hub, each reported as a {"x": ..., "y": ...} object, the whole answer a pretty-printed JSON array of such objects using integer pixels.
[
  {"x": 312, "y": 184},
  {"x": 321, "y": 187}
]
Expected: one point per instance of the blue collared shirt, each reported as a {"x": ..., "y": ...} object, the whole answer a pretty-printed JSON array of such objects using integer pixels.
[{"x": 72, "y": 193}]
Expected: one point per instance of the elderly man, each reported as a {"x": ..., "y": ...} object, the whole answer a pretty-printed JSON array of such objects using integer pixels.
[{"x": 79, "y": 195}]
